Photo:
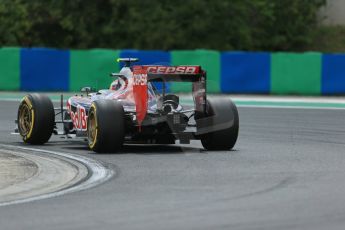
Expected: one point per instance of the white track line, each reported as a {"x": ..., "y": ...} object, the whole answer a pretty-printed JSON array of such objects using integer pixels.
[
  {"x": 99, "y": 174},
  {"x": 339, "y": 100},
  {"x": 289, "y": 107}
]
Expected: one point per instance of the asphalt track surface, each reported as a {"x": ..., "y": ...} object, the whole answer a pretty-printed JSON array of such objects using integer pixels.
[{"x": 286, "y": 172}]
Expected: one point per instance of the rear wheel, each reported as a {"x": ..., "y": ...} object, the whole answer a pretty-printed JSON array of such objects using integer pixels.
[
  {"x": 106, "y": 126},
  {"x": 222, "y": 125},
  {"x": 36, "y": 118}
]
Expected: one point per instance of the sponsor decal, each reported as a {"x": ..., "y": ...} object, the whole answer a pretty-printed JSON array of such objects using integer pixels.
[
  {"x": 140, "y": 79},
  {"x": 173, "y": 69},
  {"x": 79, "y": 117},
  {"x": 140, "y": 92}
]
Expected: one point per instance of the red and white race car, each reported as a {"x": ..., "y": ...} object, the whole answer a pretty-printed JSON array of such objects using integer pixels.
[{"x": 133, "y": 110}]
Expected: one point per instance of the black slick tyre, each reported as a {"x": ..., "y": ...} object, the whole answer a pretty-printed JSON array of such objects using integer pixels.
[
  {"x": 36, "y": 119},
  {"x": 106, "y": 126},
  {"x": 221, "y": 125}
]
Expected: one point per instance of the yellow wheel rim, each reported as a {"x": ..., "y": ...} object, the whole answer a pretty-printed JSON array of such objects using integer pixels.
[
  {"x": 92, "y": 127},
  {"x": 25, "y": 119}
]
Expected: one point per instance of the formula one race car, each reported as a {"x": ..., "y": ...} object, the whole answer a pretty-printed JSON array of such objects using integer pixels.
[{"x": 133, "y": 110}]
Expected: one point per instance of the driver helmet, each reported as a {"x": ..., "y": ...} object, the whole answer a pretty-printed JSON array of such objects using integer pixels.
[{"x": 118, "y": 84}]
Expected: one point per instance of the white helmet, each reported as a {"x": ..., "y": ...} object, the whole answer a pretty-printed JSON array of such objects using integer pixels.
[{"x": 119, "y": 84}]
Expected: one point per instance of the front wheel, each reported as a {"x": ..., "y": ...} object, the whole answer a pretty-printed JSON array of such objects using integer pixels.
[
  {"x": 106, "y": 126},
  {"x": 36, "y": 119},
  {"x": 222, "y": 125}
]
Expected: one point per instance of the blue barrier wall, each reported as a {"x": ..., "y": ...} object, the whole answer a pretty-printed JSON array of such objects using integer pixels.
[
  {"x": 333, "y": 74},
  {"x": 245, "y": 72},
  {"x": 149, "y": 57},
  {"x": 44, "y": 69}
]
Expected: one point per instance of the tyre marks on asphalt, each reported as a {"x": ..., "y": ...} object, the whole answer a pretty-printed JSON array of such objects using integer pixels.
[{"x": 58, "y": 174}]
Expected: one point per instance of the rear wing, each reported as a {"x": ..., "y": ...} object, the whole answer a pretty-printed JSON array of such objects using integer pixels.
[
  {"x": 175, "y": 73},
  {"x": 145, "y": 73}
]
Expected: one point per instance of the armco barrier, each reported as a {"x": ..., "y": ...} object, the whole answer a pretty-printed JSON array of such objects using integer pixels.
[
  {"x": 9, "y": 69},
  {"x": 92, "y": 68},
  {"x": 44, "y": 69},
  {"x": 296, "y": 73},
  {"x": 333, "y": 74},
  {"x": 244, "y": 72}
]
